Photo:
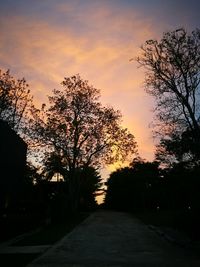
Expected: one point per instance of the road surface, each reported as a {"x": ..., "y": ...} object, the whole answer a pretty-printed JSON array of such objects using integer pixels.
[{"x": 114, "y": 239}]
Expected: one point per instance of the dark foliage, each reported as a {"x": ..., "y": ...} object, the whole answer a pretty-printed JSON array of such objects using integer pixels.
[{"x": 134, "y": 188}]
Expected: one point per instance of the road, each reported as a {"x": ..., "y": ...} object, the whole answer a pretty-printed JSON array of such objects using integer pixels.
[{"x": 114, "y": 239}]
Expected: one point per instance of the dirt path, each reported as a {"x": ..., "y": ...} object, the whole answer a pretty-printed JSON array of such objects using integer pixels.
[{"x": 114, "y": 239}]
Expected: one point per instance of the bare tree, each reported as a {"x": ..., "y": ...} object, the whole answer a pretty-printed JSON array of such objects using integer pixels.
[
  {"x": 173, "y": 77},
  {"x": 82, "y": 131},
  {"x": 15, "y": 101}
]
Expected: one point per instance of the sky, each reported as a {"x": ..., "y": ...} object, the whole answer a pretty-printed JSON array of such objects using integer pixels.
[{"x": 45, "y": 41}]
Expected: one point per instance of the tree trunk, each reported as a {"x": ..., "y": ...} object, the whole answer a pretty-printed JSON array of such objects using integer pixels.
[{"x": 74, "y": 192}]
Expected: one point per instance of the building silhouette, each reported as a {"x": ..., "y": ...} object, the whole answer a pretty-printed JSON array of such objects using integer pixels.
[{"x": 13, "y": 152}]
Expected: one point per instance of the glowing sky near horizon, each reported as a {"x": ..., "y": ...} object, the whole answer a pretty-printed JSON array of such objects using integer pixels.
[{"x": 47, "y": 40}]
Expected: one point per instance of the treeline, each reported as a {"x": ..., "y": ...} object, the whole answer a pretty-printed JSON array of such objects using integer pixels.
[
  {"x": 72, "y": 135},
  {"x": 67, "y": 140},
  {"x": 144, "y": 186},
  {"x": 172, "y": 181}
]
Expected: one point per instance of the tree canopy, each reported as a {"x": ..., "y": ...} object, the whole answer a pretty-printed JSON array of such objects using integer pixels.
[
  {"x": 173, "y": 77},
  {"x": 134, "y": 188},
  {"x": 16, "y": 101},
  {"x": 82, "y": 132}
]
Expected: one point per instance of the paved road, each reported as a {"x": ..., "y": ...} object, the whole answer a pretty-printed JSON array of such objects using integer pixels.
[{"x": 114, "y": 239}]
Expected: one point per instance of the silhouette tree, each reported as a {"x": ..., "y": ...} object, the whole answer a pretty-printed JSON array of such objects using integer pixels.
[
  {"x": 33, "y": 173},
  {"x": 172, "y": 77},
  {"x": 134, "y": 188},
  {"x": 149, "y": 177},
  {"x": 90, "y": 183},
  {"x": 120, "y": 192},
  {"x": 82, "y": 131},
  {"x": 53, "y": 164},
  {"x": 181, "y": 190},
  {"x": 15, "y": 101},
  {"x": 179, "y": 148}
]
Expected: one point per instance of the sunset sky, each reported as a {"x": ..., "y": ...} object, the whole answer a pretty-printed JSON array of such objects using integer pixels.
[{"x": 46, "y": 40}]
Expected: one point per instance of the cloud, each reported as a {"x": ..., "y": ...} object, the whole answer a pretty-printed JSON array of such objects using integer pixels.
[{"x": 96, "y": 43}]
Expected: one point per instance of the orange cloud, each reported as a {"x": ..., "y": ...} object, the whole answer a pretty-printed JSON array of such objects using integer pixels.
[{"x": 45, "y": 52}]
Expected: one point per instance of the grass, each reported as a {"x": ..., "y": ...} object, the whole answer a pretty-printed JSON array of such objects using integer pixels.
[
  {"x": 158, "y": 218},
  {"x": 52, "y": 233},
  {"x": 17, "y": 260},
  {"x": 12, "y": 227},
  {"x": 183, "y": 221},
  {"x": 44, "y": 236}
]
